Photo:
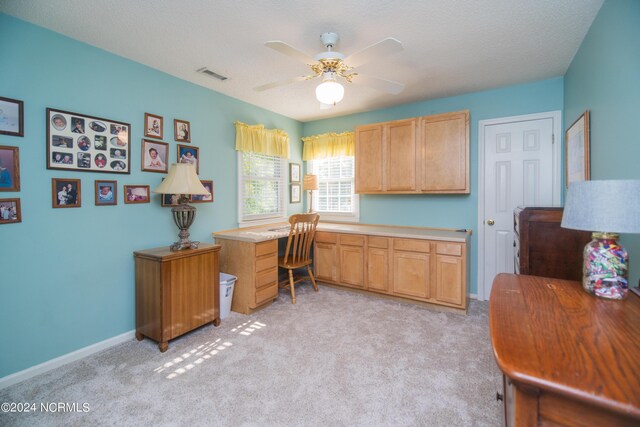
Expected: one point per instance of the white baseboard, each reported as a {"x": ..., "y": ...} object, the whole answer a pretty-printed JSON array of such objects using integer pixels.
[{"x": 63, "y": 360}]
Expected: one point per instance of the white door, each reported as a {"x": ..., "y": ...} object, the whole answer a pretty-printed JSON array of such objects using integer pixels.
[{"x": 520, "y": 161}]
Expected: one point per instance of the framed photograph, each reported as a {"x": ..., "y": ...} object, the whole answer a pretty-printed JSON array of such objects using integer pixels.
[
  {"x": 106, "y": 193},
  {"x": 9, "y": 168},
  {"x": 198, "y": 198},
  {"x": 294, "y": 194},
  {"x": 182, "y": 130},
  {"x": 86, "y": 143},
  {"x": 65, "y": 193},
  {"x": 577, "y": 150},
  {"x": 189, "y": 154},
  {"x": 153, "y": 126},
  {"x": 10, "y": 211},
  {"x": 11, "y": 117},
  {"x": 294, "y": 172},
  {"x": 169, "y": 200},
  {"x": 136, "y": 194},
  {"x": 154, "y": 156}
]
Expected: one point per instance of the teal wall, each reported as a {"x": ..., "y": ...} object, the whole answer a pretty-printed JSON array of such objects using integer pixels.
[
  {"x": 67, "y": 274},
  {"x": 446, "y": 211},
  {"x": 604, "y": 78}
]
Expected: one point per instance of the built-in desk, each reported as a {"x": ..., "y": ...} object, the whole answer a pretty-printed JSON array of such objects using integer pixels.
[{"x": 420, "y": 264}]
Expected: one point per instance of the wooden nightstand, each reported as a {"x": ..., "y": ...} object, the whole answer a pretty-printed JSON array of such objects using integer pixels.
[{"x": 176, "y": 292}]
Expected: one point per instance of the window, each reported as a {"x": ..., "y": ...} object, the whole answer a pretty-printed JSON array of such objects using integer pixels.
[
  {"x": 335, "y": 198},
  {"x": 261, "y": 188}
]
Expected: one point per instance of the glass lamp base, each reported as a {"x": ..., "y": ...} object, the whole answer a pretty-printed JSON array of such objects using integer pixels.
[{"x": 606, "y": 267}]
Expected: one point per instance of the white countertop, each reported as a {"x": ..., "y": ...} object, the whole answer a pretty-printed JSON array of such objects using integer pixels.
[{"x": 279, "y": 230}]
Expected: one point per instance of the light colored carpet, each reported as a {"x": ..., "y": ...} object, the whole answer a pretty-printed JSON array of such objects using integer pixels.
[{"x": 335, "y": 358}]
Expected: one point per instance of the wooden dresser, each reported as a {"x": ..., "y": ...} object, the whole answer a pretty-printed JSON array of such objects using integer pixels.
[
  {"x": 176, "y": 292},
  {"x": 543, "y": 248},
  {"x": 568, "y": 358}
]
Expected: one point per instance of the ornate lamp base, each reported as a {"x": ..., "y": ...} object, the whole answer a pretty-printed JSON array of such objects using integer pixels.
[{"x": 183, "y": 216}]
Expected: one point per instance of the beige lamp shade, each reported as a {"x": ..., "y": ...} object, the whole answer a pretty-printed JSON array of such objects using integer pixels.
[
  {"x": 182, "y": 179},
  {"x": 310, "y": 182}
]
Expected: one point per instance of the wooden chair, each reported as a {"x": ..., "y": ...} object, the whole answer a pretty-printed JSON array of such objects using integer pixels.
[{"x": 298, "y": 252}]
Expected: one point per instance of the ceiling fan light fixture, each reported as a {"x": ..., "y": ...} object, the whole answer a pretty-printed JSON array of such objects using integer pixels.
[{"x": 329, "y": 91}]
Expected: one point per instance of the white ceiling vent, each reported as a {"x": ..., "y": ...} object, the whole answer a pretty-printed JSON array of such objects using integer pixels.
[{"x": 213, "y": 74}]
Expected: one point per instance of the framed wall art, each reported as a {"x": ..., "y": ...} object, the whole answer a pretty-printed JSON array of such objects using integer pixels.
[
  {"x": 153, "y": 126},
  {"x": 106, "y": 193},
  {"x": 66, "y": 193},
  {"x": 10, "y": 211},
  {"x": 577, "y": 150},
  {"x": 154, "y": 156},
  {"x": 199, "y": 198},
  {"x": 86, "y": 143},
  {"x": 294, "y": 193},
  {"x": 182, "y": 130},
  {"x": 11, "y": 117},
  {"x": 294, "y": 172},
  {"x": 136, "y": 194},
  {"x": 189, "y": 154},
  {"x": 9, "y": 168}
]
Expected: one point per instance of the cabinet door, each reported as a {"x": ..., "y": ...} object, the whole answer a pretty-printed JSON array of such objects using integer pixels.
[
  {"x": 352, "y": 266},
  {"x": 325, "y": 260},
  {"x": 401, "y": 148},
  {"x": 368, "y": 159},
  {"x": 378, "y": 269},
  {"x": 411, "y": 274},
  {"x": 445, "y": 138},
  {"x": 449, "y": 275}
]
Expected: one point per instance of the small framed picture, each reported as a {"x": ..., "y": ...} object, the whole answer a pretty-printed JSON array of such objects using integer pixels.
[
  {"x": 11, "y": 117},
  {"x": 189, "y": 154},
  {"x": 577, "y": 146},
  {"x": 199, "y": 198},
  {"x": 10, "y": 211},
  {"x": 136, "y": 194},
  {"x": 169, "y": 200},
  {"x": 9, "y": 168},
  {"x": 65, "y": 193},
  {"x": 294, "y": 172},
  {"x": 106, "y": 193},
  {"x": 182, "y": 130},
  {"x": 153, "y": 126},
  {"x": 294, "y": 194},
  {"x": 154, "y": 156}
]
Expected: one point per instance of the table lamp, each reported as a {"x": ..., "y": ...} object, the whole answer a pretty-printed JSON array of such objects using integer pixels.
[
  {"x": 183, "y": 180},
  {"x": 310, "y": 183},
  {"x": 606, "y": 208}
]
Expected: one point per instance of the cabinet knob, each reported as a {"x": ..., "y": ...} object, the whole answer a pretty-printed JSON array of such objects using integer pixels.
[
  {"x": 499, "y": 396},
  {"x": 490, "y": 222}
]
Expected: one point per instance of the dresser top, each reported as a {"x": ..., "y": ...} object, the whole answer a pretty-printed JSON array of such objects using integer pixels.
[{"x": 164, "y": 253}]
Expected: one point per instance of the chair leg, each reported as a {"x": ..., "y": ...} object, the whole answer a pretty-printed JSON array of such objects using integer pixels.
[
  {"x": 293, "y": 290},
  {"x": 313, "y": 280}
]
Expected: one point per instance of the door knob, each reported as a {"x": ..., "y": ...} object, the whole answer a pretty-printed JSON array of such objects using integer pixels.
[{"x": 490, "y": 222}]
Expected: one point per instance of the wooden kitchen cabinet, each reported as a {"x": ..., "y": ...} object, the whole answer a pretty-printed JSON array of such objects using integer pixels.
[
  {"x": 369, "y": 159},
  {"x": 176, "y": 292},
  {"x": 411, "y": 274},
  {"x": 400, "y": 167},
  {"x": 352, "y": 260},
  {"x": 377, "y": 258},
  {"x": 325, "y": 256}
]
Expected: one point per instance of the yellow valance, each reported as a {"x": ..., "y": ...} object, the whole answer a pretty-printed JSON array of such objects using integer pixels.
[
  {"x": 273, "y": 142},
  {"x": 328, "y": 145}
]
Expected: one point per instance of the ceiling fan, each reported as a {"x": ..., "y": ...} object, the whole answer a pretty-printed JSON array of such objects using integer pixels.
[{"x": 333, "y": 66}]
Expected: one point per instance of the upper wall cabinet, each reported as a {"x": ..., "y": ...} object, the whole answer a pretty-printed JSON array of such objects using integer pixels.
[{"x": 415, "y": 156}]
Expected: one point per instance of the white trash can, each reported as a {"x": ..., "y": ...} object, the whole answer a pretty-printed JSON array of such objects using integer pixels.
[{"x": 226, "y": 293}]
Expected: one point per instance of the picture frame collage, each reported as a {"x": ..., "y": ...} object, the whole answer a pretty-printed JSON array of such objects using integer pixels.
[
  {"x": 295, "y": 183},
  {"x": 11, "y": 124}
]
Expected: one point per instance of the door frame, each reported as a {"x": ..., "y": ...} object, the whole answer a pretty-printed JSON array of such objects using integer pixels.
[{"x": 558, "y": 140}]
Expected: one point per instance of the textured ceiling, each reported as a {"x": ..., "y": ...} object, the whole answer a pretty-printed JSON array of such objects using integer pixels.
[{"x": 450, "y": 47}]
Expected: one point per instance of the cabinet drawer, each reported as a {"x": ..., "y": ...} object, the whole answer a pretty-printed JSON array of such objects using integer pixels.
[
  {"x": 266, "y": 262},
  {"x": 266, "y": 294},
  {"x": 266, "y": 278},
  {"x": 449, "y": 249},
  {"x": 323, "y": 236},
  {"x": 265, "y": 248},
  {"x": 378, "y": 242},
  {"x": 413, "y": 245},
  {"x": 351, "y": 240}
]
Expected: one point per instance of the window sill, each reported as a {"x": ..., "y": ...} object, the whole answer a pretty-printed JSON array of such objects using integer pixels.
[
  {"x": 338, "y": 217},
  {"x": 266, "y": 221}
]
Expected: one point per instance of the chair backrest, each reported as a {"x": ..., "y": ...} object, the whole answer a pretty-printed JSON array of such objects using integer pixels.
[{"x": 301, "y": 235}]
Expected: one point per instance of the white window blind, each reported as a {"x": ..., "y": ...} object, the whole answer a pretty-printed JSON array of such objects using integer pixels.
[
  {"x": 335, "y": 195},
  {"x": 261, "y": 186}
]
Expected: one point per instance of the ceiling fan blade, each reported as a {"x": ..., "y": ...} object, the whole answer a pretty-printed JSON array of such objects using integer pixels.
[
  {"x": 280, "y": 83},
  {"x": 376, "y": 50},
  {"x": 383, "y": 85},
  {"x": 291, "y": 51}
]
